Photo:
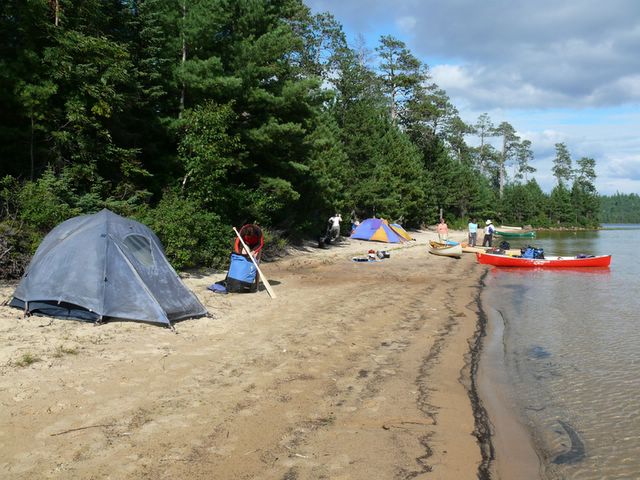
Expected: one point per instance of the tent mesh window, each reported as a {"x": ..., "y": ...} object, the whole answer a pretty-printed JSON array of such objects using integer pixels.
[{"x": 140, "y": 248}]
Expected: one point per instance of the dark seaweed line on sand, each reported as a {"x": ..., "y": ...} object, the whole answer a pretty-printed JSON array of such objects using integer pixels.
[
  {"x": 422, "y": 401},
  {"x": 482, "y": 430},
  {"x": 422, "y": 384}
]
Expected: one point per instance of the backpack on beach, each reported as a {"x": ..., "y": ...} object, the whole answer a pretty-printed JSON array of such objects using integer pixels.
[{"x": 242, "y": 276}]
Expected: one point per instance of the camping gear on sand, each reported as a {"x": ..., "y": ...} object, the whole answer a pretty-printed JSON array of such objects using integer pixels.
[
  {"x": 373, "y": 256},
  {"x": 379, "y": 230},
  {"x": 365, "y": 259},
  {"x": 218, "y": 288},
  {"x": 242, "y": 276},
  {"x": 241, "y": 238},
  {"x": 102, "y": 266}
]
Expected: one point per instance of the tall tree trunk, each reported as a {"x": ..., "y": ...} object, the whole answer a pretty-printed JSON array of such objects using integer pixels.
[
  {"x": 503, "y": 160},
  {"x": 55, "y": 6},
  {"x": 394, "y": 112},
  {"x": 482, "y": 169},
  {"x": 31, "y": 149},
  {"x": 184, "y": 58}
]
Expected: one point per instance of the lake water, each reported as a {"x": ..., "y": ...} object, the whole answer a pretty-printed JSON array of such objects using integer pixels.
[{"x": 569, "y": 346}]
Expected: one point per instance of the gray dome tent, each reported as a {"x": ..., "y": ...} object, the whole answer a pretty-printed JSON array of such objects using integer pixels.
[{"x": 100, "y": 266}]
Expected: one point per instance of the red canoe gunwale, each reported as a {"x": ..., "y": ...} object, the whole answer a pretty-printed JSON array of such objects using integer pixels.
[{"x": 547, "y": 262}]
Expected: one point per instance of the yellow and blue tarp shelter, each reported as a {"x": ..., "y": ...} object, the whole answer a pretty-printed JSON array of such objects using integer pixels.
[
  {"x": 400, "y": 231},
  {"x": 379, "y": 230}
]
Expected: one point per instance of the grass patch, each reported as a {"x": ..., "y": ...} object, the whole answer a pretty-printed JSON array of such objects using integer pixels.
[
  {"x": 27, "y": 359},
  {"x": 61, "y": 351}
]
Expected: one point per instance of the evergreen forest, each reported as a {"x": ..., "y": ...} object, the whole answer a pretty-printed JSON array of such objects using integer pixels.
[
  {"x": 196, "y": 116},
  {"x": 620, "y": 208}
]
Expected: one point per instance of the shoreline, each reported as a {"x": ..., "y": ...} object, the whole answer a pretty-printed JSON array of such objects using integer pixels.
[
  {"x": 354, "y": 371},
  {"x": 483, "y": 431},
  {"x": 511, "y": 445}
]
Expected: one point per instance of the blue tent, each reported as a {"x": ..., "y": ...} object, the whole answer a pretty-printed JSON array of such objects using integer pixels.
[
  {"x": 101, "y": 266},
  {"x": 378, "y": 229}
]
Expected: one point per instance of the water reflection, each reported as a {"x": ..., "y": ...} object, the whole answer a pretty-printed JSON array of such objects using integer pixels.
[{"x": 538, "y": 273}]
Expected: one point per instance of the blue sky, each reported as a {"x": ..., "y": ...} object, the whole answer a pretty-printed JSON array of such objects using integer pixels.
[{"x": 565, "y": 71}]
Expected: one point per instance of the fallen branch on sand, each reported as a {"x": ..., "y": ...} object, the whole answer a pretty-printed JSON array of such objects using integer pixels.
[
  {"x": 82, "y": 428},
  {"x": 388, "y": 425}
]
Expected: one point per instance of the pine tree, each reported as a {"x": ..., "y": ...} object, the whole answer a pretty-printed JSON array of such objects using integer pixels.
[
  {"x": 510, "y": 147},
  {"x": 401, "y": 73},
  {"x": 560, "y": 206},
  {"x": 524, "y": 155},
  {"x": 484, "y": 129},
  {"x": 584, "y": 195},
  {"x": 562, "y": 169}
]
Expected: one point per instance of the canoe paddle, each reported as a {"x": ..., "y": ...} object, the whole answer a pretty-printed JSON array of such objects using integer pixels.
[{"x": 272, "y": 294}]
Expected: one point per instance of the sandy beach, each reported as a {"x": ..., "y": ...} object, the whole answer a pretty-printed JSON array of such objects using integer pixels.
[{"x": 354, "y": 371}]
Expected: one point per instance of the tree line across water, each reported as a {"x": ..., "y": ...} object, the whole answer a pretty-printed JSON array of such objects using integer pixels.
[
  {"x": 192, "y": 116},
  {"x": 620, "y": 208}
]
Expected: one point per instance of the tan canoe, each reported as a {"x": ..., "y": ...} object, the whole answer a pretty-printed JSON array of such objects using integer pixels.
[
  {"x": 445, "y": 249},
  {"x": 480, "y": 249}
]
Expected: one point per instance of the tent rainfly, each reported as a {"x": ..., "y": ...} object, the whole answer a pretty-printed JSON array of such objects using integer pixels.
[
  {"x": 378, "y": 229},
  {"x": 101, "y": 266}
]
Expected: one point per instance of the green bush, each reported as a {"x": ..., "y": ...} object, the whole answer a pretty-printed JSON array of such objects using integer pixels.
[
  {"x": 16, "y": 243},
  {"x": 18, "y": 238},
  {"x": 190, "y": 235},
  {"x": 271, "y": 200},
  {"x": 46, "y": 202},
  {"x": 275, "y": 244}
]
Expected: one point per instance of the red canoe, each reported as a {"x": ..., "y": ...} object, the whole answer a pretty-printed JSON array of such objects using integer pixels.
[{"x": 546, "y": 262}]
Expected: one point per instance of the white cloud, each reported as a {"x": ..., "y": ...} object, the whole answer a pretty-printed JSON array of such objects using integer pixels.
[
  {"x": 406, "y": 24},
  {"x": 626, "y": 167},
  {"x": 557, "y": 71},
  {"x": 572, "y": 53},
  {"x": 610, "y": 187},
  {"x": 451, "y": 77}
]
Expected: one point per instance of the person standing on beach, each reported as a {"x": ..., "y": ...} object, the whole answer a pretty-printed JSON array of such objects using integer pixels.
[
  {"x": 334, "y": 226},
  {"x": 443, "y": 230},
  {"x": 473, "y": 232},
  {"x": 488, "y": 234}
]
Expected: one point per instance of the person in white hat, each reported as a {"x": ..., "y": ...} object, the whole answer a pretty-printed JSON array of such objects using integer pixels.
[{"x": 488, "y": 234}]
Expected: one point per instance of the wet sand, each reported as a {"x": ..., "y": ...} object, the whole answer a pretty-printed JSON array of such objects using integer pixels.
[
  {"x": 513, "y": 454},
  {"x": 355, "y": 371}
]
